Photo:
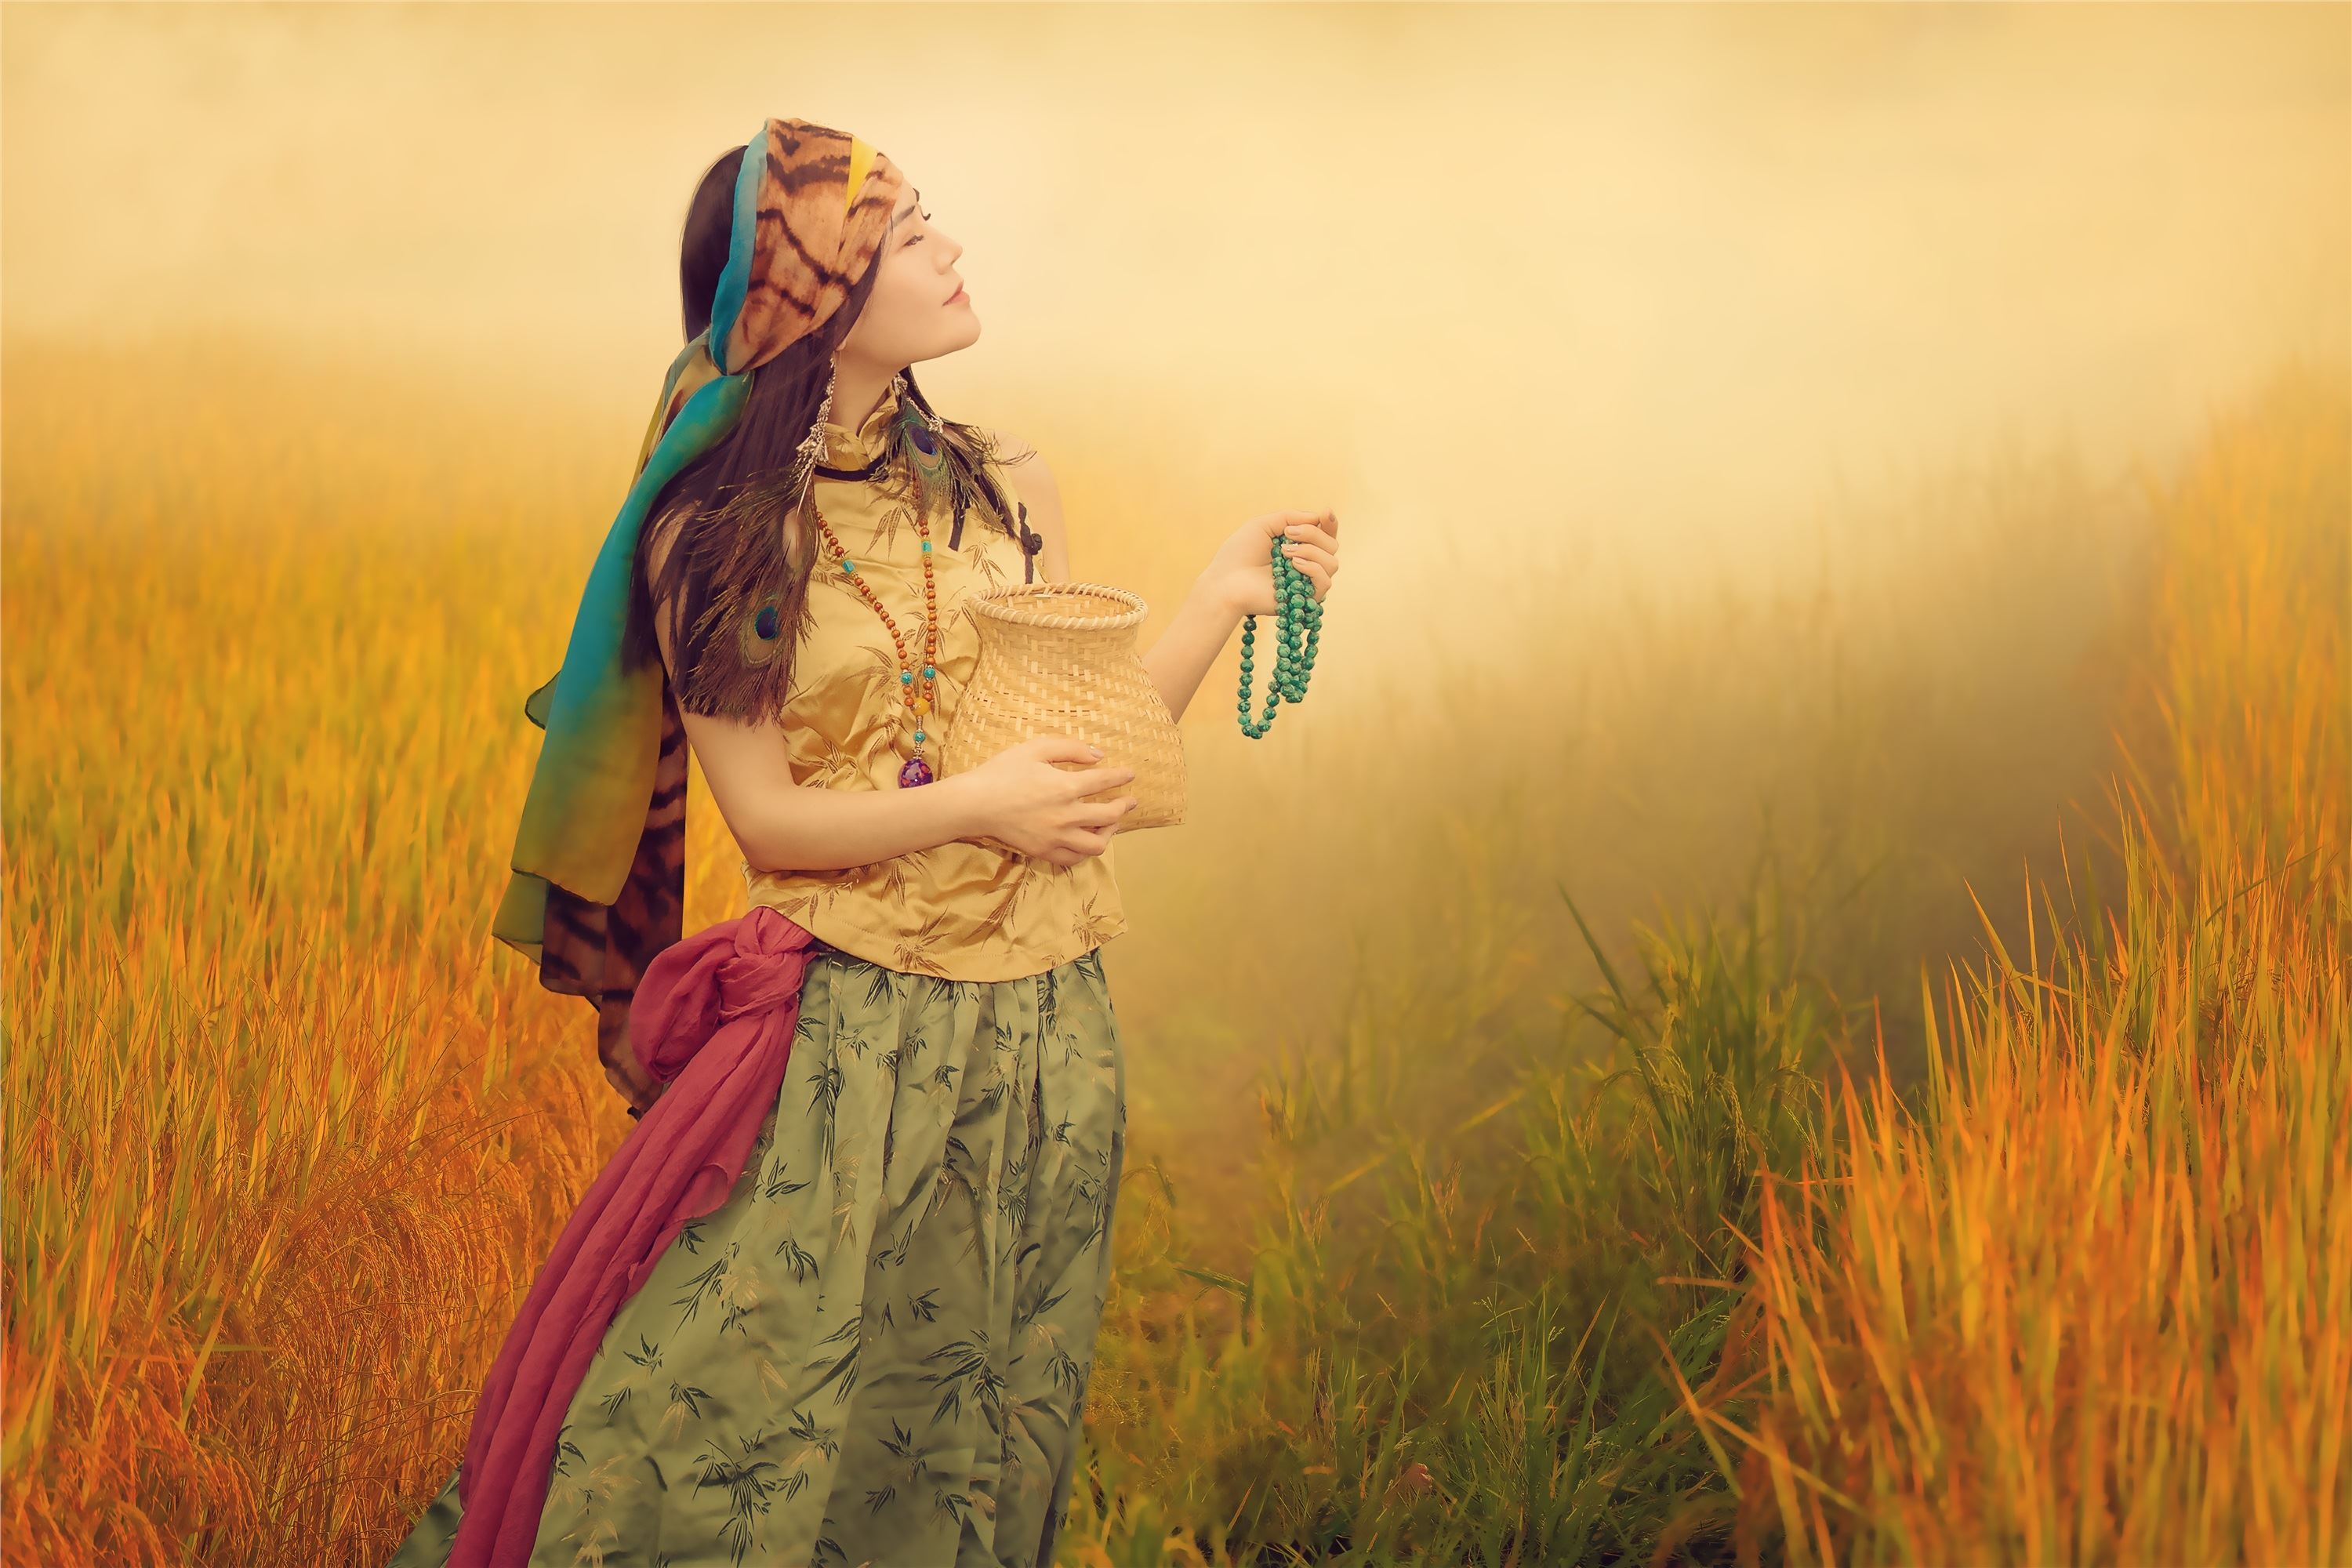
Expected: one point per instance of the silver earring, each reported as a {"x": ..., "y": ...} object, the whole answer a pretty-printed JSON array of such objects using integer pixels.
[
  {"x": 811, "y": 451},
  {"x": 812, "y": 447}
]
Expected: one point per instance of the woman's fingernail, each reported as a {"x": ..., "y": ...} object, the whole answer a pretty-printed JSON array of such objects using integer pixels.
[{"x": 1098, "y": 751}]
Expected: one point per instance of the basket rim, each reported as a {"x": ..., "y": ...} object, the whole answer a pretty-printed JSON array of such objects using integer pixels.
[{"x": 1006, "y": 604}]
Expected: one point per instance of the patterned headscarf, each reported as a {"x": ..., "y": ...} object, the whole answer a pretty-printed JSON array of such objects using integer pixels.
[{"x": 598, "y": 886}]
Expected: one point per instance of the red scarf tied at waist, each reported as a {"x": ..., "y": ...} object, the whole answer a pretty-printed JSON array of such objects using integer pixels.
[{"x": 713, "y": 1018}]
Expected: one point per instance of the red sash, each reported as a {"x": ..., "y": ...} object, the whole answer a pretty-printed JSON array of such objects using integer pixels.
[{"x": 712, "y": 1019}]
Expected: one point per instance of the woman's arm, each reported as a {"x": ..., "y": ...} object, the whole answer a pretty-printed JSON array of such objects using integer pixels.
[
  {"x": 1188, "y": 644},
  {"x": 1239, "y": 581},
  {"x": 780, "y": 826},
  {"x": 1180, "y": 659}
]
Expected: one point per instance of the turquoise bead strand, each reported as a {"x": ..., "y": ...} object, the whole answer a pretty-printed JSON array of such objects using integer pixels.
[{"x": 1296, "y": 612}]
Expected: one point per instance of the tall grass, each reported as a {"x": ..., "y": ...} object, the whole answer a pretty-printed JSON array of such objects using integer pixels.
[
  {"x": 286, "y": 1137},
  {"x": 2092, "y": 1301},
  {"x": 280, "y": 1147},
  {"x": 1468, "y": 1342},
  {"x": 2079, "y": 1300}
]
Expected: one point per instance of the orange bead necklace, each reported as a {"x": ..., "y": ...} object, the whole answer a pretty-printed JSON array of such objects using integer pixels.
[{"x": 920, "y": 703}]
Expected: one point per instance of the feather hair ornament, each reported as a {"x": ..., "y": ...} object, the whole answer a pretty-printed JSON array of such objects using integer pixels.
[{"x": 930, "y": 466}]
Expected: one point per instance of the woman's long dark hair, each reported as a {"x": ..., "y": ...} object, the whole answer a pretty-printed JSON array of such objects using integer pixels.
[{"x": 736, "y": 542}]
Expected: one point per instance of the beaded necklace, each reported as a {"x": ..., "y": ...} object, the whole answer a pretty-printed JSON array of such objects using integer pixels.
[
  {"x": 915, "y": 440},
  {"x": 916, "y": 770}
]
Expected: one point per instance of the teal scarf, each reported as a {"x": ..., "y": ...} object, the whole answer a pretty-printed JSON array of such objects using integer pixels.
[{"x": 597, "y": 879}]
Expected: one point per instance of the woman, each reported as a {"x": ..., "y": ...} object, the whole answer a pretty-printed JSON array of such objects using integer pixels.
[{"x": 834, "y": 1300}]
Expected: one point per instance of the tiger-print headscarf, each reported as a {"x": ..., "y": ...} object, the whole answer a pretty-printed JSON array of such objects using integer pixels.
[{"x": 598, "y": 884}]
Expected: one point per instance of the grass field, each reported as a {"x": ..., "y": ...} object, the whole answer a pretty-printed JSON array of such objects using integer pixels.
[{"x": 1856, "y": 1074}]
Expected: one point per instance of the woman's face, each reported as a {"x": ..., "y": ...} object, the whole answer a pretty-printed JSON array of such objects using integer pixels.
[{"x": 917, "y": 309}]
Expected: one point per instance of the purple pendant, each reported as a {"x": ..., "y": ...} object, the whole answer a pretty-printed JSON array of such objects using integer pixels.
[{"x": 916, "y": 772}]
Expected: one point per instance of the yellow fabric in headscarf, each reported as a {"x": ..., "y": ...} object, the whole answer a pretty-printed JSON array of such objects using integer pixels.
[{"x": 960, "y": 911}]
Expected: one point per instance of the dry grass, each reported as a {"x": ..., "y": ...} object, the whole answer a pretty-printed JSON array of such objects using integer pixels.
[
  {"x": 2092, "y": 1301},
  {"x": 285, "y": 1136}
]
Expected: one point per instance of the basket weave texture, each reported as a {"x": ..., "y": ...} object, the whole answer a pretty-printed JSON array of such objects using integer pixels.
[{"x": 1059, "y": 659}]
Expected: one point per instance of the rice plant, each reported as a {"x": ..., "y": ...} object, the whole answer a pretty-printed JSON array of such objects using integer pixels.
[{"x": 1551, "y": 1208}]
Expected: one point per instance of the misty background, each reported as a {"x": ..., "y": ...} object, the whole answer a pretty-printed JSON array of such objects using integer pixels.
[{"x": 1482, "y": 276}]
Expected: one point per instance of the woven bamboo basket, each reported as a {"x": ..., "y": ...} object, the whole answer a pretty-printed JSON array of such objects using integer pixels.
[{"x": 1059, "y": 659}]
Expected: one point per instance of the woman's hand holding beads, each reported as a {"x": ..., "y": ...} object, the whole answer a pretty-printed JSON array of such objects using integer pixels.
[{"x": 1240, "y": 573}]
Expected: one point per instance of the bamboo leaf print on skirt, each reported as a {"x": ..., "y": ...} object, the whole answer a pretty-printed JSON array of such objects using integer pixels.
[{"x": 877, "y": 1351}]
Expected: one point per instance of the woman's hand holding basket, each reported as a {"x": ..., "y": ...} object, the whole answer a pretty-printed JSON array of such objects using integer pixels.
[{"x": 1023, "y": 798}]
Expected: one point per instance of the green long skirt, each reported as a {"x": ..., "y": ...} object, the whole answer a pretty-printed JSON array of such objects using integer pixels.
[{"x": 877, "y": 1351}]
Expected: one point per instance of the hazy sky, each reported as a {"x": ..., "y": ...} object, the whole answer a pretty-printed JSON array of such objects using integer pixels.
[{"x": 1660, "y": 274}]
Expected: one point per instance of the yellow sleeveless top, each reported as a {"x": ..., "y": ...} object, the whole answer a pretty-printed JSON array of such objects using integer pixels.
[{"x": 959, "y": 910}]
